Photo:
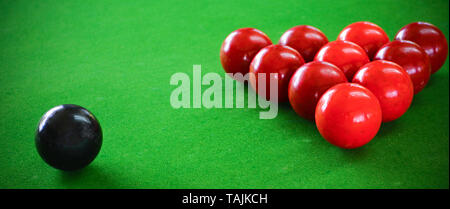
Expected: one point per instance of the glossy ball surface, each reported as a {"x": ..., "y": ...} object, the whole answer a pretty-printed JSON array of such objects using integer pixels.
[
  {"x": 68, "y": 137},
  {"x": 283, "y": 61},
  {"x": 347, "y": 56},
  {"x": 308, "y": 84},
  {"x": 348, "y": 115},
  {"x": 390, "y": 84},
  {"x": 367, "y": 35},
  {"x": 307, "y": 40},
  {"x": 411, "y": 57},
  {"x": 430, "y": 38},
  {"x": 239, "y": 49}
]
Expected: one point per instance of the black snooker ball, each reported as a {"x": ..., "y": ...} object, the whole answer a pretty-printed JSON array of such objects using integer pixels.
[{"x": 68, "y": 137}]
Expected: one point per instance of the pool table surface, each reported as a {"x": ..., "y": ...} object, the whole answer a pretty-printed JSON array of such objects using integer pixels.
[{"x": 116, "y": 58}]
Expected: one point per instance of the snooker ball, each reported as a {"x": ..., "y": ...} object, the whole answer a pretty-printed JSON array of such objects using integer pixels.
[
  {"x": 239, "y": 49},
  {"x": 367, "y": 35},
  {"x": 274, "y": 63},
  {"x": 390, "y": 84},
  {"x": 348, "y": 115},
  {"x": 307, "y": 40},
  {"x": 430, "y": 38},
  {"x": 413, "y": 59},
  {"x": 308, "y": 84},
  {"x": 68, "y": 137},
  {"x": 347, "y": 56}
]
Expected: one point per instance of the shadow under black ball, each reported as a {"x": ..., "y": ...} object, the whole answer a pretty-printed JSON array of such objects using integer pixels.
[{"x": 68, "y": 137}]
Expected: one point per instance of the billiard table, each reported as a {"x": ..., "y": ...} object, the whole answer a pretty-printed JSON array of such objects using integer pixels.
[{"x": 116, "y": 58}]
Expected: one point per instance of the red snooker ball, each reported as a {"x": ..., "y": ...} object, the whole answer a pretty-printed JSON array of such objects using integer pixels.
[
  {"x": 307, "y": 40},
  {"x": 411, "y": 57},
  {"x": 347, "y": 56},
  {"x": 278, "y": 59},
  {"x": 390, "y": 84},
  {"x": 430, "y": 38},
  {"x": 367, "y": 35},
  {"x": 308, "y": 84},
  {"x": 239, "y": 49},
  {"x": 348, "y": 115}
]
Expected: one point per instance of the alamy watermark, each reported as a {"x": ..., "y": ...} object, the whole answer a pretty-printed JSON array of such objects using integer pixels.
[{"x": 212, "y": 96}]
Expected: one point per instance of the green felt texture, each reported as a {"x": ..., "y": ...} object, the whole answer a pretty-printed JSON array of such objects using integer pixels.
[{"x": 116, "y": 58}]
